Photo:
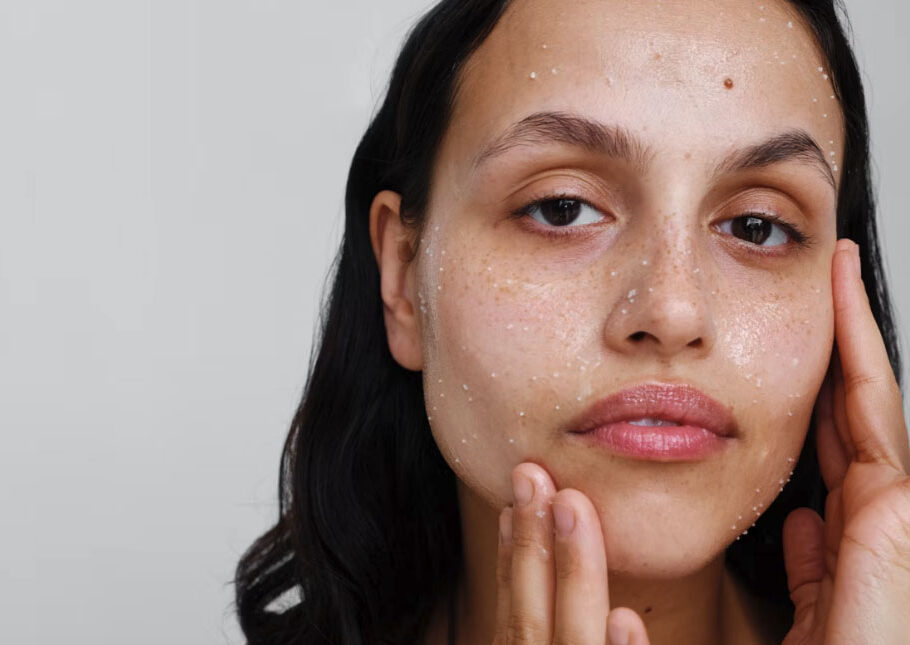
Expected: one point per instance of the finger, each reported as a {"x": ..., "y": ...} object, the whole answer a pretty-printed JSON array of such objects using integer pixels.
[
  {"x": 532, "y": 572},
  {"x": 873, "y": 401},
  {"x": 804, "y": 559},
  {"x": 832, "y": 457},
  {"x": 503, "y": 576},
  {"x": 839, "y": 407},
  {"x": 582, "y": 599},
  {"x": 625, "y": 627}
]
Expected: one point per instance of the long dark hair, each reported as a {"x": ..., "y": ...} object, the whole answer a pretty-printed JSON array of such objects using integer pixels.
[{"x": 369, "y": 532}]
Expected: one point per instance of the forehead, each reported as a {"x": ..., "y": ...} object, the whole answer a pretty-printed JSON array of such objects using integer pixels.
[{"x": 698, "y": 76}]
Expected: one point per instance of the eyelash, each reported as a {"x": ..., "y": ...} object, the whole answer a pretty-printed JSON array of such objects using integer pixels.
[{"x": 796, "y": 235}]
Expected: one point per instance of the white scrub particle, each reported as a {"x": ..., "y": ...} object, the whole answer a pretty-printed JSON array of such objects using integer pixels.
[
  {"x": 541, "y": 514},
  {"x": 533, "y": 75},
  {"x": 521, "y": 414},
  {"x": 465, "y": 386},
  {"x": 511, "y": 441},
  {"x": 789, "y": 25}
]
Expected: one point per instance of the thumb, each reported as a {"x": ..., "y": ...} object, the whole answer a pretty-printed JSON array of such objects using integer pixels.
[
  {"x": 625, "y": 627},
  {"x": 804, "y": 559}
]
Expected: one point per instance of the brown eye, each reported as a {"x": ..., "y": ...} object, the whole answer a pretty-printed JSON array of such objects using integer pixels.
[
  {"x": 561, "y": 212},
  {"x": 757, "y": 230}
]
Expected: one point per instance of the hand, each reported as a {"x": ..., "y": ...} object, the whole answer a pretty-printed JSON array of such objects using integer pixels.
[
  {"x": 552, "y": 582},
  {"x": 849, "y": 575}
]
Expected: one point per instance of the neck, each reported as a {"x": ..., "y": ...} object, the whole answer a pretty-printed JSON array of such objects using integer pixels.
[{"x": 703, "y": 607}]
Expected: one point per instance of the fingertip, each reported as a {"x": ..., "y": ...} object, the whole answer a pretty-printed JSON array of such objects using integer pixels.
[{"x": 625, "y": 627}]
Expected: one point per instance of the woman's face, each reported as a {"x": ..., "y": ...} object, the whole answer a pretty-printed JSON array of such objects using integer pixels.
[{"x": 659, "y": 276}]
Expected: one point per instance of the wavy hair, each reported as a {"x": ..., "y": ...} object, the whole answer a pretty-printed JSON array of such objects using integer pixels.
[{"x": 369, "y": 533}]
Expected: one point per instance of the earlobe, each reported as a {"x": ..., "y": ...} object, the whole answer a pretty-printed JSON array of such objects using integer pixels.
[{"x": 393, "y": 250}]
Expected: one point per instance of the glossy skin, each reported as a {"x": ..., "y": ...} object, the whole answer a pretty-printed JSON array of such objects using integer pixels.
[{"x": 517, "y": 333}]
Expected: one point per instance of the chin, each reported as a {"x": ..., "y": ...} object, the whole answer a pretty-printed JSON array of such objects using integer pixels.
[{"x": 658, "y": 545}]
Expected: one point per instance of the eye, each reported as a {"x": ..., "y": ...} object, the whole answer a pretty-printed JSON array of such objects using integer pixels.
[
  {"x": 559, "y": 212},
  {"x": 757, "y": 229}
]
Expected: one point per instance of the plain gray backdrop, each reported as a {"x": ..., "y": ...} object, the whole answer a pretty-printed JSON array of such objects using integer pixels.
[{"x": 171, "y": 190}]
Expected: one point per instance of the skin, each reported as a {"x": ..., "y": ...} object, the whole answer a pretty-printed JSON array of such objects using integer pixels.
[{"x": 517, "y": 334}]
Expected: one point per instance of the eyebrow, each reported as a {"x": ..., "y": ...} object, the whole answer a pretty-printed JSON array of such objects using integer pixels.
[{"x": 615, "y": 141}]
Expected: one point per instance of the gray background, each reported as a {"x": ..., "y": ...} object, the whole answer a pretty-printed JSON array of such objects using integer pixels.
[{"x": 171, "y": 182}]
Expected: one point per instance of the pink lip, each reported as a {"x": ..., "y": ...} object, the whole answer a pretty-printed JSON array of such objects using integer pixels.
[{"x": 705, "y": 427}]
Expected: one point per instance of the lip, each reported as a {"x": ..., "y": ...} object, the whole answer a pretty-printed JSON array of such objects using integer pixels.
[{"x": 706, "y": 426}]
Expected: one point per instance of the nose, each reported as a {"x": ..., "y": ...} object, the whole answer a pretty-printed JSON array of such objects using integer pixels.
[{"x": 664, "y": 307}]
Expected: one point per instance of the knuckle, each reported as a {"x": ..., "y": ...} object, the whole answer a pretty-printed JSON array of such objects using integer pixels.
[
  {"x": 523, "y": 541},
  {"x": 568, "y": 564},
  {"x": 525, "y": 630}
]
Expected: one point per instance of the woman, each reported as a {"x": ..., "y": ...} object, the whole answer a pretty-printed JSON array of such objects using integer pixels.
[{"x": 597, "y": 359}]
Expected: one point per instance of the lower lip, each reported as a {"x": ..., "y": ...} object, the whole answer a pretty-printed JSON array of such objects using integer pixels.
[{"x": 657, "y": 443}]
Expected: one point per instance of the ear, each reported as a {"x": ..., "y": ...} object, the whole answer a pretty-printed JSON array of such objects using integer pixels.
[{"x": 394, "y": 251}]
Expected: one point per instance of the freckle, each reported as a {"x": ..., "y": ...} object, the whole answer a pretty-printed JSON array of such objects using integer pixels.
[
  {"x": 728, "y": 83},
  {"x": 533, "y": 75}
]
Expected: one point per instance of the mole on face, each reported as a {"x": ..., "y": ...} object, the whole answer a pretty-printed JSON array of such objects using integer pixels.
[{"x": 728, "y": 83}]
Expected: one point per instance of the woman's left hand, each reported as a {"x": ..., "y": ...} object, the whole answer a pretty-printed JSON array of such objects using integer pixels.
[{"x": 849, "y": 575}]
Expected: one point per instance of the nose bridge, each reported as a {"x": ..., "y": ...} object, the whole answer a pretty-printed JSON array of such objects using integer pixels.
[{"x": 665, "y": 303}]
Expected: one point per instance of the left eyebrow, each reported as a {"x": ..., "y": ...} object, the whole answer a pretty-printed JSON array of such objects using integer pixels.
[
  {"x": 792, "y": 145},
  {"x": 618, "y": 142}
]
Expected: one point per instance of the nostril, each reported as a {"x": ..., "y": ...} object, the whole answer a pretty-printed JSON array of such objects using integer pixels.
[{"x": 637, "y": 336}]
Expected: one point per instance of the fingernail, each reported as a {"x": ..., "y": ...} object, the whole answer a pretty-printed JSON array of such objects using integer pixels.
[
  {"x": 564, "y": 518},
  {"x": 505, "y": 526},
  {"x": 856, "y": 261},
  {"x": 522, "y": 488},
  {"x": 619, "y": 635}
]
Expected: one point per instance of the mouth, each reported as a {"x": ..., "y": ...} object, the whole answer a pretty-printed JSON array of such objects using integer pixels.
[{"x": 657, "y": 421}]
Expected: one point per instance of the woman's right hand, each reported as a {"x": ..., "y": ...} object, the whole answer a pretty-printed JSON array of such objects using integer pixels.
[{"x": 552, "y": 570}]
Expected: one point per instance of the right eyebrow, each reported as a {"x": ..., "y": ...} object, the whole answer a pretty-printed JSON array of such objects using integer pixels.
[
  {"x": 618, "y": 142},
  {"x": 561, "y": 127}
]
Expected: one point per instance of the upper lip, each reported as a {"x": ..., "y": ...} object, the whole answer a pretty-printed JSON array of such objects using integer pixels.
[{"x": 681, "y": 403}]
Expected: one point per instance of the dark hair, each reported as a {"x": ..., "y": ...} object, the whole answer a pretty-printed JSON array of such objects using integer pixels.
[{"x": 369, "y": 529}]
